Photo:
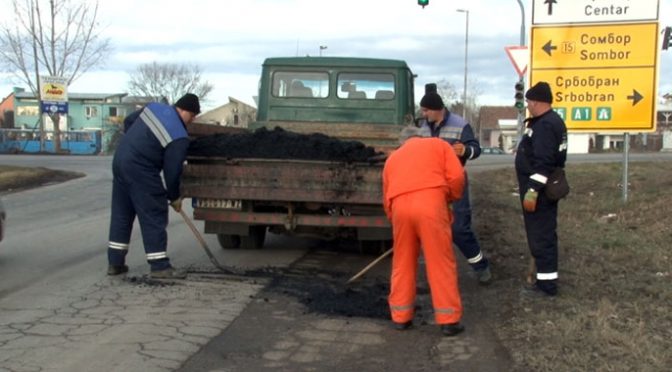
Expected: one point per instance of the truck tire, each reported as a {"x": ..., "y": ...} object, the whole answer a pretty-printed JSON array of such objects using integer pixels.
[
  {"x": 256, "y": 238},
  {"x": 228, "y": 241}
]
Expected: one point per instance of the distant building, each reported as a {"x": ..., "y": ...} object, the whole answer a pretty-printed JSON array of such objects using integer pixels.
[
  {"x": 7, "y": 110},
  {"x": 235, "y": 113},
  {"x": 497, "y": 127},
  {"x": 86, "y": 111},
  {"x": 665, "y": 121}
]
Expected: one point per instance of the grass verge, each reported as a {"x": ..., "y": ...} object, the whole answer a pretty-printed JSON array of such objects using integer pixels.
[
  {"x": 614, "y": 308},
  {"x": 20, "y": 178}
]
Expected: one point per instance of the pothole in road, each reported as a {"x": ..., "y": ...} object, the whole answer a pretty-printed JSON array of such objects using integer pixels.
[
  {"x": 320, "y": 291},
  {"x": 327, "y": 293}
]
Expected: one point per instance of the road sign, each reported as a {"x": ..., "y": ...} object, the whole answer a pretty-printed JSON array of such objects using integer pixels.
[
  {"x": 610, "y": 99},
  {"x": 519, "y": 56},
  {"x": 622, "y": 45},
  {"x": 603, "y": 76},
  {"x": 592, "y": 11}
]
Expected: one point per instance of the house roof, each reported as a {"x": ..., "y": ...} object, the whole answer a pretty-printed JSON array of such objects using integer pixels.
[
  {"x": 489, "y": 116},
  {"x": 78, "y": 96}
]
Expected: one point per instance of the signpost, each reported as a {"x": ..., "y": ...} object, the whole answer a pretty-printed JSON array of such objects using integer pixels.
[
  {"x": 53, "y": 103},
  {"x": 600, "y": 59},
  {"x": 53, "y": 95}
]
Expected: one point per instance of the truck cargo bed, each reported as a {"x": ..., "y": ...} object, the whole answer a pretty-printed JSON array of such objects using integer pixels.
[{"x": 283, "y": 180}]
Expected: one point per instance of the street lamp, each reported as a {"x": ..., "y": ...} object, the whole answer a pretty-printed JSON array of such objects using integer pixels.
[
  {"x": 322, "y": 47},
  {"x": 466, "y": 53}
]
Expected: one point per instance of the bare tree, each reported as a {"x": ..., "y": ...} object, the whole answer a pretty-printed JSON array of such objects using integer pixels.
[
  {"x": 63, "y": 41},
  {"x": 169, "y": 81},
  {"x": 448, "y": 92},
  {"x": 453, "y": 99}
]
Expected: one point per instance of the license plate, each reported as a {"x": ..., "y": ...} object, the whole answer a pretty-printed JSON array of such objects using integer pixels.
[{"x": 219, "y": 204}]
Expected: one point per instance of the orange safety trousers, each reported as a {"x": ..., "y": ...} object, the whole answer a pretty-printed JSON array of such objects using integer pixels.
[{"x": 421, "y": 220}]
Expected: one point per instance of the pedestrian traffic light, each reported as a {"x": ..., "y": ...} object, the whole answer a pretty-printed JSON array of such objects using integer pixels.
[
  {"x": 520, "y": 96},
  {"x": 667, "y": 38},
  {"x": 423, "y": 3}
]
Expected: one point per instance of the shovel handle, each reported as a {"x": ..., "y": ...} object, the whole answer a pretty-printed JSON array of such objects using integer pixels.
[
  {"x": 369, "y": 266},
  {"x": 200, "y": 239}
]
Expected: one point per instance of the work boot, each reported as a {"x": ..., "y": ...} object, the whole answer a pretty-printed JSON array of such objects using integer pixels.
[
  {"x": 403, "y": 326},
  {"x": 169, "y": 273},
  {"x": 534, "y": 291},
  {"x": 452, "y": 329},
  {"x": 113, "y": 270},
  {"x": 484, "y": 276}
]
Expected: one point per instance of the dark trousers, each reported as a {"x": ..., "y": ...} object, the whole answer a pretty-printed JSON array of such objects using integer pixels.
[
  {"x": 138, "y": 193},
  {"x": 542, "y": 240},
  {"x": 463, "y": 235}
]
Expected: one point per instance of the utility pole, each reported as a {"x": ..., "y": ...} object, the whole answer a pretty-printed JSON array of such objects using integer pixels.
[
  {"x": 466, "y": 53},
  {"x": 521, "y": 112}
]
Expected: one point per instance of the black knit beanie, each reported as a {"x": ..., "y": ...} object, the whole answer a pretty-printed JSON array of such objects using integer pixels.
[
  {"x": 189, "y": 102},
  {"x": 432, "y": 101},
  {"x": 541, "y": 92}
]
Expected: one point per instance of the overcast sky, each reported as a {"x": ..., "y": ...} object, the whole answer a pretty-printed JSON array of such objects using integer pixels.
[{"x": 230, "y": 39}]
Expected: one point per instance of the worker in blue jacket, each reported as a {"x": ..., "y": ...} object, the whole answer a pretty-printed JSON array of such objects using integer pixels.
[
  {"x": 155, "y": 141},
  {"x": 439, "y": 122}
]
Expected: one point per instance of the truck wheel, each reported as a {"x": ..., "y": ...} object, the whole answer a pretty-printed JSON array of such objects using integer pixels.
[
  {"x": 256, "y": 238},
  {"x": 228, "y": 241}
]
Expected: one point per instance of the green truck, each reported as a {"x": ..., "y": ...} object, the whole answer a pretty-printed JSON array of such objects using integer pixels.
[{"x": 362, "y": 99}]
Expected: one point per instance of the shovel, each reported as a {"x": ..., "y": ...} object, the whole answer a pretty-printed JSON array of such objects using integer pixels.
[
  {"x": 531, "y": 271},
  {"x": 200, "y": 239},
  {"x": 369, "y": 266}
]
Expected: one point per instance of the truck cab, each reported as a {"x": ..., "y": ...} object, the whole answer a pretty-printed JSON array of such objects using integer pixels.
[{"x": 362, "y": 99}]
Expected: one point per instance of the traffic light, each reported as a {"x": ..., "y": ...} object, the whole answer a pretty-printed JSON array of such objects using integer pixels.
[
  {"x": 520, "y": 96},
  {"x": 423, "y": 3},
  {"x": 667, "y": 38}
]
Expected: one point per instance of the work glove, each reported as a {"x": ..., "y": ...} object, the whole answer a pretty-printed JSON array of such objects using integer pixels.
[
  {"x": 459, "y": 148},
  {"x": 177, "y": 205},
  {"x": 530, "y": 200}
]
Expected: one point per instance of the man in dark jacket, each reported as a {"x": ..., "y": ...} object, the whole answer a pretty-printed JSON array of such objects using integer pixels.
[
  {"x": 441, "y": 123},
  {"x": 542, "y": 149},
  {"x": 155, "y": 141}
]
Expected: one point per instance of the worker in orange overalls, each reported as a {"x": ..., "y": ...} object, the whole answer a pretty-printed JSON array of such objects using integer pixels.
[{"x": 419, "y": 180}]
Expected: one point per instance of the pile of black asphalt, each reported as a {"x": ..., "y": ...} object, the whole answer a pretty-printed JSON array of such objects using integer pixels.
[{"x": 280, "y": 144}]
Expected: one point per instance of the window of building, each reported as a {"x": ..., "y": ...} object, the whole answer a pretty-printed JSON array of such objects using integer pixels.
[
  {"x": 300, "y": 84},
  {"x": 91, "y": 111},
  {"x": 115, "y": 111},
  {"x": 366, "y": 86},
  {"x": 27, "y": 111}
]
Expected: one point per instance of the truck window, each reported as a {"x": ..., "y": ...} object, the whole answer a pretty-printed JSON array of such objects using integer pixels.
[
  {"x": 300, "y": 84},
  {"x": 366, "y": 86}
]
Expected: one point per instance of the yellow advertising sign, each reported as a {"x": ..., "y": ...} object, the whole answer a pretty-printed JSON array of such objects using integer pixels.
[
  {"x": 53, "y": 89},
  {"x": 622, "y": 45},
  {"x": 594, "y": 100}
]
